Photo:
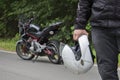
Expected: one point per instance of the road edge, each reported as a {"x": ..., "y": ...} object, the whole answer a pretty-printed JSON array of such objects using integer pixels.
[
  {"x": 15, "y": 53},
  {"x": 8, "y": 51}
]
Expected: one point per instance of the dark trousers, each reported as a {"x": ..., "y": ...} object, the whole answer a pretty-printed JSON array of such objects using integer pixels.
[{"x": 106, "y": 42}]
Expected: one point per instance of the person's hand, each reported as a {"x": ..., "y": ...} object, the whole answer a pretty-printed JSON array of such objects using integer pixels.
[{"x": 78, "y": 32}]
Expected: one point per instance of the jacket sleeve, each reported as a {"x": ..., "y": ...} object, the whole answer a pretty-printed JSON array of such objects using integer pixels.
[{"x": 83, "y": 13}]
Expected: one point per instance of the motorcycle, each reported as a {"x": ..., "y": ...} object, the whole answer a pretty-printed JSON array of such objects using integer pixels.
[{"x": 35, "y": 42}]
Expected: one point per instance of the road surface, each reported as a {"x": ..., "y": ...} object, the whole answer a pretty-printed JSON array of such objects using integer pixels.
[{"x": 14, "y": 68}]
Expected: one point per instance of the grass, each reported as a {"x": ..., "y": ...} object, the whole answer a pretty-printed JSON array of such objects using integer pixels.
[
  {"x": 8, "y": 45},
  {"x": 119, "y": 60}
]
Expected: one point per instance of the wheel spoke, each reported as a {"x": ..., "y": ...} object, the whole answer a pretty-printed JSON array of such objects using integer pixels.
[
  {"x": 56, "y": 56},
  {"x": 23, "y": 52}
]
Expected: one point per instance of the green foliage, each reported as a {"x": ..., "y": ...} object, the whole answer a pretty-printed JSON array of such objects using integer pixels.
[
  {"x": 7, "y": 44},
  {"x": 2, "y": 29},
  {"x": 45, "y": 13},
  {"x": 16, "y": 38}
]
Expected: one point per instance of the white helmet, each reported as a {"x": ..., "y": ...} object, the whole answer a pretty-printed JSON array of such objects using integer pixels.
[{"x": 78, "y": 59}]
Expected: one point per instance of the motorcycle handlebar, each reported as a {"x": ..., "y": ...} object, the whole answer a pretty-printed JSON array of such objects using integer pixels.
[
  {"x": 26, "y": 23},
  {"x": 30, "y": 20}
]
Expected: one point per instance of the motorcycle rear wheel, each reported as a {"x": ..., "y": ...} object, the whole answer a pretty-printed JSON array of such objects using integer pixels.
[
  {"x": 23, "y": 52},
  {"x": 55, "y": 57}
]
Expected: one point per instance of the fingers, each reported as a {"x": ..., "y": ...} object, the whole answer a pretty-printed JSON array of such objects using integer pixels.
[
  {"x": 76, "y": 36},
  {"x": 78, "y": 33}
]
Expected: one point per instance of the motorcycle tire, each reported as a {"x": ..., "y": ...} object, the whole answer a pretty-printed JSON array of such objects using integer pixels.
[
  {"x": 23, "y": 52},
  {"x": 55, "y": 57}
]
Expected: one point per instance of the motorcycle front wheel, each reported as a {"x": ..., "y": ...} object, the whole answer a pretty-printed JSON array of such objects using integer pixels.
[
  {"x": 23, "y": 52},
  {"x": 55, "y": 57}
]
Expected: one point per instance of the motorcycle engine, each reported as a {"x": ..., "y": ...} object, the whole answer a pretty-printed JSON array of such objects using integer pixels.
[{"x": 36, "y": 47}]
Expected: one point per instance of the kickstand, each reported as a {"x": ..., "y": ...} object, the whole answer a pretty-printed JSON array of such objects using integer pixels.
[{"x": 36, "y": 57}]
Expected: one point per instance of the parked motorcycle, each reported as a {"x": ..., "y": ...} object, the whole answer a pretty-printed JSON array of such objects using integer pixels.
[{"x": 35, "y": 42}]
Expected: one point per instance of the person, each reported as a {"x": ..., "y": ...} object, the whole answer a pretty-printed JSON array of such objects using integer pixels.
[{"x": 104, "y": 17}]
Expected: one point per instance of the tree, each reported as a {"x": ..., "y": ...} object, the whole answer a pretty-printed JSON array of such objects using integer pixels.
[{"x": 45, "y": 12}]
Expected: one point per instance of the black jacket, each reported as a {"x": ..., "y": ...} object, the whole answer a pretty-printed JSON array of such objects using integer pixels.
[{"x": 100, "y": 13}]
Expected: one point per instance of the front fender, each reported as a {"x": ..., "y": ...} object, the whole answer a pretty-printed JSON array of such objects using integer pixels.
[{"x": 19, "y": 41}]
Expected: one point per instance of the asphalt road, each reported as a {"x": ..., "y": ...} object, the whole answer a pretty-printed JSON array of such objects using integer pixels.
[{"x": 14, "y": 68}]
